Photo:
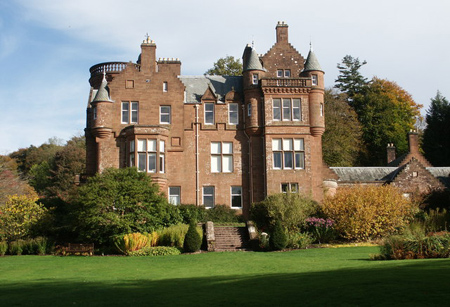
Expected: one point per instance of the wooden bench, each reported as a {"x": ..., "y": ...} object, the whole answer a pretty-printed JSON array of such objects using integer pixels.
[{"x": 81, "y": 249}]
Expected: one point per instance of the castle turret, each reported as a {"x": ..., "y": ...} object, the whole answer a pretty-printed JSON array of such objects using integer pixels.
[
  {"x": 313, "y": 71},
  {"x": 253, "y": 71},
  {"x": 101, "y": 111}
]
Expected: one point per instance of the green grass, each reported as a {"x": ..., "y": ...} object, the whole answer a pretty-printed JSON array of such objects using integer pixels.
[{"x": 316, "y": 277}]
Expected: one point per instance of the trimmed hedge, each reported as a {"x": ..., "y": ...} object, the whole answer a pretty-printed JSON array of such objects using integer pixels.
[{"x": 155, "y": 251}]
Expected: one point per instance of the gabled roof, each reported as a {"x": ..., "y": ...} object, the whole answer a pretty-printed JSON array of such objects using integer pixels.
[
  {"x": 196, "y": 86},
  {"x": 311, "y": 62}
]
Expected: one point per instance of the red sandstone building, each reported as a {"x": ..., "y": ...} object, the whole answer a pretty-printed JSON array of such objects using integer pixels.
[{"x": 210, "y": 140}]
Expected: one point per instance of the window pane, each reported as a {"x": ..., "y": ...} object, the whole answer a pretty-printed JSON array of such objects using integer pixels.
[
  {"x": 286, "y": 109},
  {"x": 132, "y": 160},
  {"x": 287, "y": 73},
  {"x": 174, "y": 195},
  {"x": 152, "y": 145},
  {"x": 277, "y": 109},
  {"x": 227, "y": 148},
  {"x": 152, "y": 162},
  {"x": 294, "y": 187},
  {"x": 215, "y": 148},
  {"x": 298, "y": 144},
  {"x": 296, "y": 109},
  {"x": 209, "y": 113},
  {"x": 279, "y": 73},
  {"x": 125, "y": 112},
  {"x": 216, "y": 166},
  {"x": 276, "y": 144},
  {"x": 132, "y": 146},
  {"x": 287, "y": 144},
  {"x": 300, "y": 160},
  {"x": 142, "y": 145},
  {"x": 162, "y": 166},
  {"x": 208, "y": 197},
  {"x": 161, "y": 146},
  {"x": 233, "y": 113},
  {"x": 284, "y": 187},
  {"x": 249, "y": 110},
  {"x": 236, "y": 197},
  {"x": 227, "y": 164},
  {"x": 141, "y": 161},
  {"x": 134, "y": 112},
  {"x": 288, "y": 159},
  {"x": 165, "y": 114},
  {"x": 277, "y": 160}
]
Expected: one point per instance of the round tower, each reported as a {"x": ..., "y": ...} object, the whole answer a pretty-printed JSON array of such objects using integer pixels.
[
  {"x": 101, "y": 111},
  {"x": 314, "y": 72},
  {"x": 253, "y": 71}
]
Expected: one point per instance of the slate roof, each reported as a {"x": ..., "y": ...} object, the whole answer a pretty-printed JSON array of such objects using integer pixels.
[
  {"x": 253, "y": 62},
  {"x": 441, "y": 173},
  {"x": 364, "y": 174},
  {"x": 196, "y": 86},
  {"x": 311, "y": 62},
  {"x": 103, "y": 92}
]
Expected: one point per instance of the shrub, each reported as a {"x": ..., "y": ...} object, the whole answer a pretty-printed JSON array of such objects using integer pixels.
[
  {"x": 278, "y": 238},
  {"x": 299, "y": 240},
  {"x": 401, "y": 247},
  {"x": 19, "y": 215},
  {"x": 291, "y": 209},
  {"x": 322, "y": 230},
  {"x": 192, "y": 212},
  {"x": 223, "y": 214},
  {"x": 28, "y": 247},
  {"x": 192, "y": 240},
  {"x": 16, "y": 247},
  {"x": 368, "y": 212},
  {"x": 3, "y": 248},
  {"x": 41, "y": 245},
  {"x": 135, "y": 241},
  {"x": 155, "y": 251},
  {"x": 173, "y": 235}
]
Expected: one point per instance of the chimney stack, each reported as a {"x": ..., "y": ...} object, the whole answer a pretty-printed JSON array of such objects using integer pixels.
[
  {"x": 413, "y": 141},
  {"x": 282, "y": 32},
  {"x": 390, "y": 150}
]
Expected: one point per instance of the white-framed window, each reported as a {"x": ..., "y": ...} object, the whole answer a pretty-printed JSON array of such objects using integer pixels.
[
  {"x": 221, "y": 157},
  {"x": 175, "y": 195},
  {"x": 321, "y": 109},
  {"x": 283, "y": 73},
  {"x": 165, "y": 87},
  {"x": 288, "y": 153},
  {"x": 209, "y": 113},
  {"x": 164, "y": 114},
  {"x": 236, "y": 197},
  {"x": 291, "y": 187},
  {"x": 233, "y": 113},
  {"x": 130, "y": 112},
  {"x": 314, "y": 80},
  {"x": 150, "y": 154},
  {"x": 255, "y": 79},
  {"x": 208, "y": 196},
  {"x": 287, "y": 109}
]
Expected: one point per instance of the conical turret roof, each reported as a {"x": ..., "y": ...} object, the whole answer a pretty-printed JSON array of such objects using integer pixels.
[
  {"x": 311, "y": 62},
  {"x": 251, "y": 59},
  {"x": 103, "y": 91}
]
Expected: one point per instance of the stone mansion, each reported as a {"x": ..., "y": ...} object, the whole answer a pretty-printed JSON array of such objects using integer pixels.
[{"x": 210, "y": 140}]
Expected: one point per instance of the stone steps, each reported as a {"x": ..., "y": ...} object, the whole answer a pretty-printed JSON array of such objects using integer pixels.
[{"x": 230, "y": 238}]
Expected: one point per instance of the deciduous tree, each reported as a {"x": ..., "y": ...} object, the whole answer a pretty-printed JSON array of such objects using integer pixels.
[{"x": 227, "y": 66}]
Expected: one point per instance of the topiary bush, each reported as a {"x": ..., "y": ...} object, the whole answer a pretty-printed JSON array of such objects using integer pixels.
[
  {"x": 192, "y": 240},
  {"x": 368, "y": 212},
  {"x": 155, "y": 251},
  {"x": 278, "y": 237},
  {"x": 291, "y": 209}
]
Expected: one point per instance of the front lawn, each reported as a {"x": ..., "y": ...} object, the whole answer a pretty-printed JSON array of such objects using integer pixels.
[{"x": 332, "y": 276}]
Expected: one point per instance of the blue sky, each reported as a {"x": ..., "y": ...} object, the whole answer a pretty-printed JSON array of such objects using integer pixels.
[{"x": 48, "y": 46}]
